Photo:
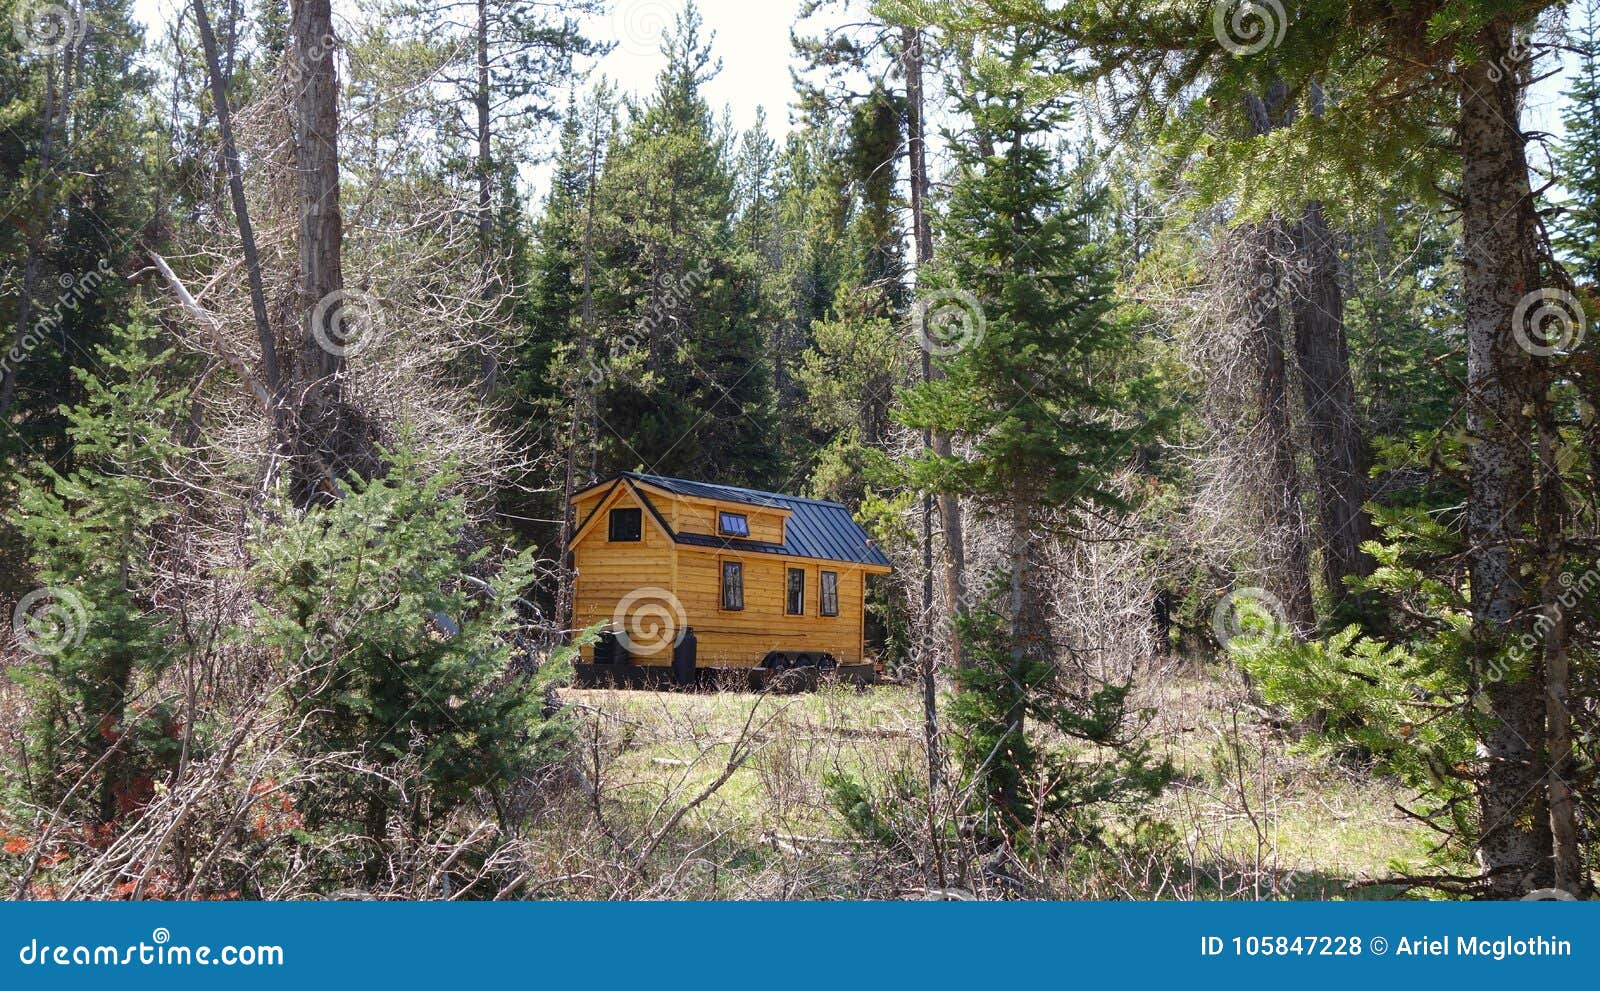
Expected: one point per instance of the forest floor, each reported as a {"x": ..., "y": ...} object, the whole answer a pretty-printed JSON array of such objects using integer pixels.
[{"x": 1246, "y": 816}]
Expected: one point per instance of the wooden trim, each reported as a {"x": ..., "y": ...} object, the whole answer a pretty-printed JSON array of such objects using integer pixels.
[
  {"x": 822, "y": 596},
  {"x": 722, "y": 591},
  {"x": 608, "y": 502},
  {"x": 788, "y": 570}
]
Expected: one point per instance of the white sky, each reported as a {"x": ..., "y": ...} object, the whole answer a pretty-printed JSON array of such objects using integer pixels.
[
  {"x": 752, "y": 41},
  {"x": 751, "y": 38}
]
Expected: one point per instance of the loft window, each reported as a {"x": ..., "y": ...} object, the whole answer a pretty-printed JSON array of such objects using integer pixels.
[
  {"x": 733, "y": 525},
  {"x": 732, "y": 585},
  {"x": 627, "y": 525},
  {"x": 830, "y": 593},
  {"x": 795, "y": 604}
]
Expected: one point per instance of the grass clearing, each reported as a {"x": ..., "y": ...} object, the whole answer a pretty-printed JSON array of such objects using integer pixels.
[{"x": 1246, "y": 817}]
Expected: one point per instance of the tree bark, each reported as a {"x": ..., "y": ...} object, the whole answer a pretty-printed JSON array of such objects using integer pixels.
[
  {"x": 1322, "y": 356},
  {"x": 489, "y": 365},
  {"x": 1499, "y": 266},
  {"x": 582, "y": 393},
  {"x": 324, "y": 430},
  {"x": 1337, "y": 442},
  {"x": 949, "y": 506},
  {"x": 1566, "y": 854},
  {"x": 1259, "y": 296},
  {"x": 247, "y": 238}
]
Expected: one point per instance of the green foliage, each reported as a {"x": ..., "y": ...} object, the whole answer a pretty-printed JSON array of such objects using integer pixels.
[
  {"x": 98, "y": 637},
  {"x": 75, "y": 181},
  {"x": 687, "y": 387},
  {"x": 1403, "y": 702},
  {"x": 1043, "y": 756},
  {"x": 391, "y": 655},
  {"x": 1024, "y": 300},
  {"x": 1579, "y": 154}
]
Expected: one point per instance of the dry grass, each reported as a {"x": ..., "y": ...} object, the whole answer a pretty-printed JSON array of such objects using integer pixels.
[{"x": 1247, "y": 817}]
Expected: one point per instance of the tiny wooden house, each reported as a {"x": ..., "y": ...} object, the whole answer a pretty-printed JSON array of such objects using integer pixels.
[{"x": 761, "y": 579}]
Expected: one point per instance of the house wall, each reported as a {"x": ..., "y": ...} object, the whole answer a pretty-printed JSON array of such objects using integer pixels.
[
  {"x": 609, "y": 572},
  {"x": 741, "y": 638},
  {"x": 696, "y": 516}
]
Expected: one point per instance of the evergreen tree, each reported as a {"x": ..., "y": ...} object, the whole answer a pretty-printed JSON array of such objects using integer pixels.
[
  {"x": 74, "y": 187},
  {"x": 393, "y": 655},
  {"x": 1023, "y": 305},
  {"x": 98, "y": 639},
  {"x": 688, "y": 388},
  {"x": 1579, "y": 155}
]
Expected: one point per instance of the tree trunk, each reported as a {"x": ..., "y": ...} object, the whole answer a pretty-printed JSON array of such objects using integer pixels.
[
  {"x": 489, "y": 365},
  {"x": 1555, "y": 601},
  {"x": 949, "y": 506},
  {"x": 1021, "y": 623},
  {"x": 1337, "y": 442},
  {"x": 1338, "y": 445},
  {"x": 324, "y": 429},
  {"x": 582, "y": 391},
  {"x": 1259, "y": 297},
  {"x": 247, "y": 238},
  {"x": 1499, "y": 267}
]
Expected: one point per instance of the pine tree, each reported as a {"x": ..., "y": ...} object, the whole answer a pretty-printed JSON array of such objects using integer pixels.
[
  {"x": 98, "y": 639},
  {"x": 688, "y": 387},
  {"x": 393, "y": 655},
  {"x": 1579, "y": 156},
  {"x": 1022, "y": 302}
]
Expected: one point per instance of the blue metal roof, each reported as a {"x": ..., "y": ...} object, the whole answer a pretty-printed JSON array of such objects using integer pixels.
[{"x": 816, "y": 528}]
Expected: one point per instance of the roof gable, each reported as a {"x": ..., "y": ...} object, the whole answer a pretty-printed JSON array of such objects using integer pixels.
[{"x": 815, "y": 528}]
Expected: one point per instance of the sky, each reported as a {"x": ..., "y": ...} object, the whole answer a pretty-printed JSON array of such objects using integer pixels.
[{"x": 752, "y": 41}]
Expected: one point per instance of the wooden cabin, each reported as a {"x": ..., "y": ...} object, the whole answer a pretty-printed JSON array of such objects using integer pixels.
[{"x": 734, "y": 578}]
